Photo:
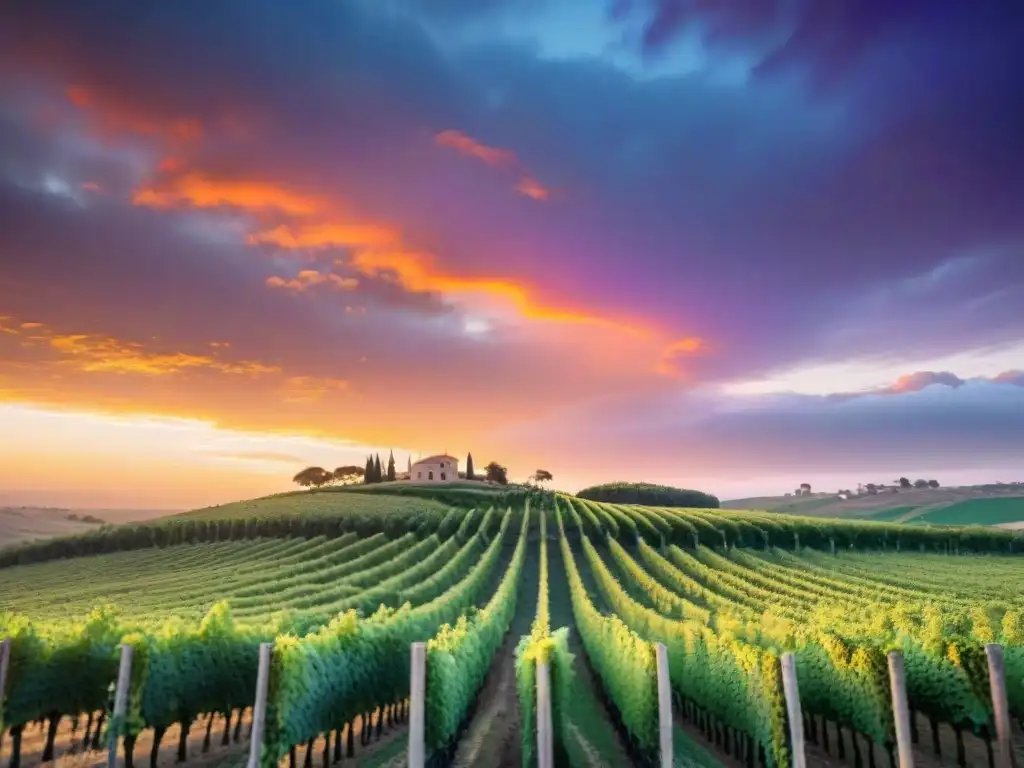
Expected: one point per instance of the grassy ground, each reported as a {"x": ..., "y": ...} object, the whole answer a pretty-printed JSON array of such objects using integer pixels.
[
  {"x": 888, "y": 515},
  {"x": 976, "y": 512},
  {"x": 688, "y": 753},
  {"x": 492, "y": 735},
  {"x": 905, "y": 505}
]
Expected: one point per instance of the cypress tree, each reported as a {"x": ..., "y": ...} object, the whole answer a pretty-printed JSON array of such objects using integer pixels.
[
  {"x": 368, "y": 476},
  {"x": 409, "y": 468},
  {"x": 378, "y": 474},
  {"x": 469, "y": 467},
  {"x": 391, "y": 467}
]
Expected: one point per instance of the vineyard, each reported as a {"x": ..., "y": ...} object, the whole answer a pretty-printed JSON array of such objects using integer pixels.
[{"x": 541, "y": 616}]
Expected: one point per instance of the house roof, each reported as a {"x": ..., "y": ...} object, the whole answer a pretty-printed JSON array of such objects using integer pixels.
[{"x": 435, "y": 459}]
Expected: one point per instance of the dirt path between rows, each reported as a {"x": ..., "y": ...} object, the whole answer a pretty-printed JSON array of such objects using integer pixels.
[
  {"x": 70, "y": 754},
  {"x": 492, "y": 736},
  {"x": 591, "y": 725}
]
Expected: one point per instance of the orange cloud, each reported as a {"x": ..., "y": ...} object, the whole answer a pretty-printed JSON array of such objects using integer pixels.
[
  {"x": 672, "y": 353},
  {"x": 109, "y": 118},
  {"x": 91, "y": 186},
  {"x": 470, "y": 147},
  {"x": 202, "y": 192},
  {"x": 377, "y": 250},
  {"x": 494, "y": 157},
  {"x": 97, "y": 353},
  {"x": 307, "y": 278},
  {"x": 328, "y": 234},
  {"x": 311, "y": 389},
  {"x": 92, "y": 353},
  {"x": 532, "y": 188}
]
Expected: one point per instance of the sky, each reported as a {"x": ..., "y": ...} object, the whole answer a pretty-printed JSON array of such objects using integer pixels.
[{"x": 731, "y": 245}]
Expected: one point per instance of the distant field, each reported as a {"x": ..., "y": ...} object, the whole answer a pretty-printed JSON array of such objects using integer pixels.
[
  {"x": 317, "y": 503},
  {"x": 24, "y": 523},
  {"x": 976, "y": 512},
  {"x": 910, "y": 505},
  {"x": 889, "y": 515}
]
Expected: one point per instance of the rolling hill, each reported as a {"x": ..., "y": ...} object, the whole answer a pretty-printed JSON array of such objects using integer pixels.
[
  {"x": 971, "y": 505},
  {"x": 340, "y": 582}
]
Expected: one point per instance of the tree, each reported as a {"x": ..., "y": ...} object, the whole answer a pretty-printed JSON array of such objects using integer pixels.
[
  {"x": 368, "y": 471},
  {"x": 408, "y": 467},
  {"x": 470, "y": 474},
  {"x": 649, "y": 495},
  {"x": 391, "y": 467},
  {"x": 805, "y": 489},
  {"x": 378, "y": 473},
  {"x": 312, "y": 477},
  {"x": 904, "y": 483},
  {"x": 541, "y": 476},
  {"x": 872, "y": 489},
  {"x": 933, "y": 483},
  {"x": 920, "y": 483},
  {"x": 496, "y": 473},
  {"x": 350, "y": 473}
]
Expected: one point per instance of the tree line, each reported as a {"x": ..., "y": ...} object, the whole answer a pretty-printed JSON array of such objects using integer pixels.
[
  {"x": 872, "y": 489},
  {"x": 375, "y": 471}
]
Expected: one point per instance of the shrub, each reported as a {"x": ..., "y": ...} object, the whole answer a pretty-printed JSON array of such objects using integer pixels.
[{"x": 649, "y": 494}]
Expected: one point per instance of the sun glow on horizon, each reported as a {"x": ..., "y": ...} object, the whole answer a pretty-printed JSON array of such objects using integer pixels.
[
  {"x": 155, "y": 461},
  {"x": 868, "y": 374}
]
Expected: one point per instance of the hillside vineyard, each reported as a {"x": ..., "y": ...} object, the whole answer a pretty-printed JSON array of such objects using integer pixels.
[{"x": 597, "y": 586}]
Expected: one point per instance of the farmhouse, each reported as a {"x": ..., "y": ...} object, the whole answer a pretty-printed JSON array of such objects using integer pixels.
[{"x": 435, "y": 469}]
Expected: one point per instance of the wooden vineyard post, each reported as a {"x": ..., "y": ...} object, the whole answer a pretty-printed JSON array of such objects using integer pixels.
[
  {"x": 124, "y": 681},
  {"x": 1000, "y": 707},
  {"x": 5, "y": 659},
  {"x": 796, "y": 718},
  {"x": 900, "y": 710},
  {"x": 545, "y": 738},
  {"x": 664, "y": 706},
  {"x": 259, "y": 707},
  {"x": 418, "y": 706}
]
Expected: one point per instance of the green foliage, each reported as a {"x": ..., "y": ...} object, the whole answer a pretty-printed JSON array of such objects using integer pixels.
[
  {"x": 459, "y": 655},
  {"x": 353, "y": 665},
  {"x": 648, "y": 494},
  {"x": 976, "y": 512},
  {"x": 623, "y": 660},
  {"x": 552, "y": 648},
  {"x": 313, "y": 477},
  {"x": 737, "y": 682},
  {"x": 61, "y": 667},
  {"x": 726, "y": 591},
  {"x": 348, "y": 473},
  {"x": 303, "y": 514},
  {"x": 496, "y": 473}
]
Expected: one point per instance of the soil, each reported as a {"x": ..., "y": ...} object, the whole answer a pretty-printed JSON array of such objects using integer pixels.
[
  {"x": 70, "y": 754},
  {"x": 591, "y": 724},
  {"x": 975, "y": 752},
  {"x": 492, "y": 735}
]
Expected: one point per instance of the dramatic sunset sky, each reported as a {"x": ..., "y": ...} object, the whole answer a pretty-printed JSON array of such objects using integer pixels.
[{"x": 725, "y": 244}]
